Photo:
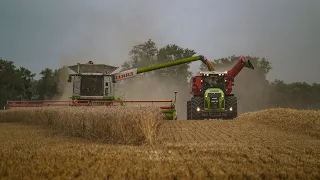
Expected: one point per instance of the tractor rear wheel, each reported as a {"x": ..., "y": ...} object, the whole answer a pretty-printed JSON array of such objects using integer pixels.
[
  {"x": 231, "y": 106},
  {"x": 192, "y": 106}
]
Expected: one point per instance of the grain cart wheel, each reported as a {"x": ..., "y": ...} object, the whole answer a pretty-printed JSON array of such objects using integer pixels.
[
  {"x": 231, "y": 106},
  {"x": 196, "y": 102}
]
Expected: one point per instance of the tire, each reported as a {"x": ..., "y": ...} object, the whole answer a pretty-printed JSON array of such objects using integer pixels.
[
  {"x": 192, "y": 113},
  {"x": 188, "y": 110},
  {"x": 231, "y": 101}
]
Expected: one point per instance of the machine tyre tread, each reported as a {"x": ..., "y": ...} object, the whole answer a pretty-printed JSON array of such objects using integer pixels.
[
  {"x": 231, "y": 101},
  {"x": 194, "y": 104},
  {"x": 188, "y": 110}
]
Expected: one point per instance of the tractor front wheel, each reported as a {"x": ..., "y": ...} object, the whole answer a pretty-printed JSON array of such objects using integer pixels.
[
  {"x": 231, "y": 106},
  {"x": 192, "y": 108},
  {"x": 188, "y": 110}
]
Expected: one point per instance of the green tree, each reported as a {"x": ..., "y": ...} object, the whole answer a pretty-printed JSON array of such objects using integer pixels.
[
  {"x": 299, "y": 95},
  {"x": 173, "y": 52},
  {"x": 15, "y": 83},
  {"x": 315, "y": 96},
  {"x": 142, "y": 55},
  {"x": 47, "y": 84},
  {"x": 147, "y": 54},
  {"x": 280, "y": 91}
]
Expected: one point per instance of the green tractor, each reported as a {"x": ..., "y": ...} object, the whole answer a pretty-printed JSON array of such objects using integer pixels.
[{"x": 212, "y": 97}]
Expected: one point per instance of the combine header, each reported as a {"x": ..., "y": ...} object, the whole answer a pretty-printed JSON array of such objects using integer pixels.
[{"x": 94, "y": 86}]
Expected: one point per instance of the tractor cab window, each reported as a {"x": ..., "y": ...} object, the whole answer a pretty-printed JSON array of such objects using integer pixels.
[{"x": 213, "y": 81}]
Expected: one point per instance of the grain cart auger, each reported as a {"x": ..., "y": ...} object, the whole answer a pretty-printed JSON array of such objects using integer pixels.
[
  {"x": 212, "y": 97},
  {"x": 94, "y": 85}
]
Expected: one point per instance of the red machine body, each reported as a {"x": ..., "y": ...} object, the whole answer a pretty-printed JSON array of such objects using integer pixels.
[
  {"x": 196, "y": 81},
  {"x": 196, "y": 85}
]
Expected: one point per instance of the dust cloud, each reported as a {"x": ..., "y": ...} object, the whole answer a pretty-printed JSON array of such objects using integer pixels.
[
  {"x": 155, "y": 88},
  {"x": 106, "y": 36},
  {"x": 64, "y": 88},
  {"x": 252, "y": 89}
]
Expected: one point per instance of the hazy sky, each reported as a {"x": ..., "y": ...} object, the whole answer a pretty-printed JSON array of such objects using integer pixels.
[{"x": 42, "y": 33}]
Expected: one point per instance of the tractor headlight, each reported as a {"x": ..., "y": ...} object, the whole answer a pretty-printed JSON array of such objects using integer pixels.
[
  {"x": 198, "y": 109},
  {"x": 230, "y": 108}
]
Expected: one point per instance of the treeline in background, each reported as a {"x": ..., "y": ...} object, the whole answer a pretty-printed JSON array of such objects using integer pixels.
[{"x": 252, "y": 88}]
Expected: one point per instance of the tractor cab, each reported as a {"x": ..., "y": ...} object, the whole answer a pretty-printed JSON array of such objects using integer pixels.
[
  {"x": 213, "y": 80},
  {"x": 207, "y": 80}
]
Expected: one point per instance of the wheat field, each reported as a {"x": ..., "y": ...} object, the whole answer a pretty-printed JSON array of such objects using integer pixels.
[{"x": 137, "y": 144}]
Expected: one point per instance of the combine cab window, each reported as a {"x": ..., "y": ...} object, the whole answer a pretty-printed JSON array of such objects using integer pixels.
[{"x": 92, "y": 86}]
